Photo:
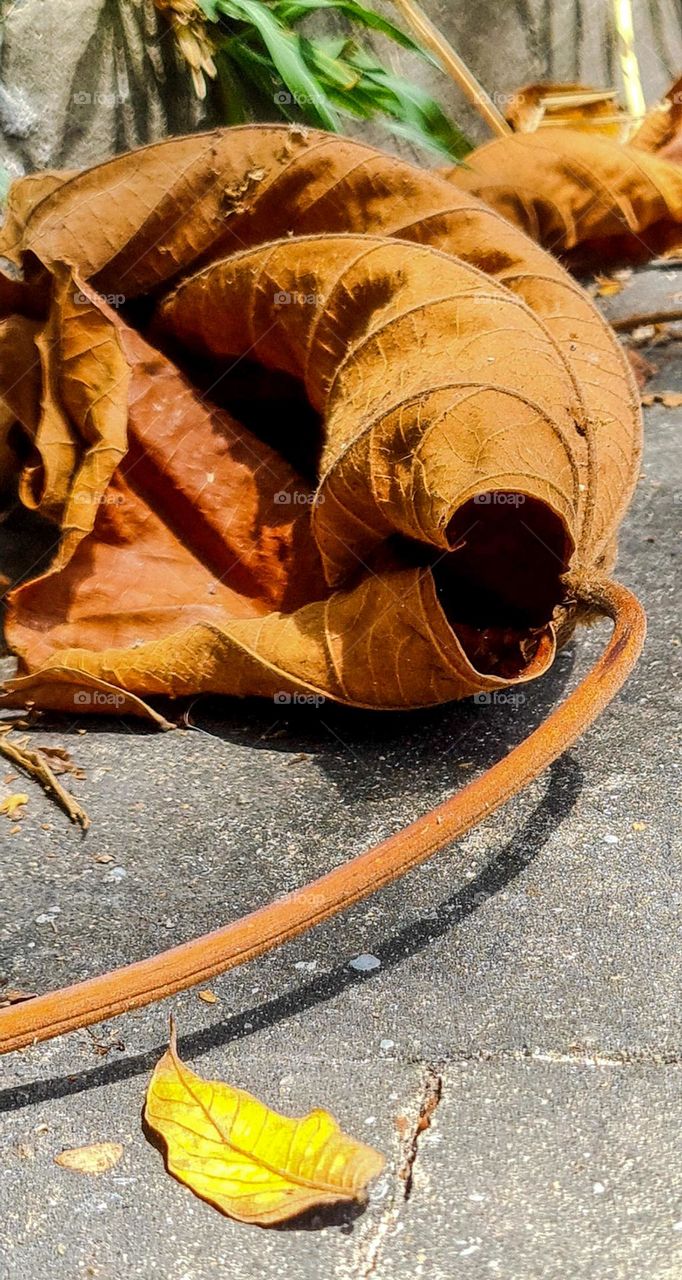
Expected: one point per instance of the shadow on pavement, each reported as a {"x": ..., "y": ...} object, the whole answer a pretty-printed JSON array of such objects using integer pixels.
[{"x": 563, "y": 791}]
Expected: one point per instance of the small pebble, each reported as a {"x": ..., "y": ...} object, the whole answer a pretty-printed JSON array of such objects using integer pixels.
[
  {"x": 365, "y": 963},
  {"x": 116, "y": 874},
  {"x": 385, "y": 1045},
  {"x": 599, "y": 1188},
  {"x": 609, "y": 839},
  {"x": 306, "y": 966}
]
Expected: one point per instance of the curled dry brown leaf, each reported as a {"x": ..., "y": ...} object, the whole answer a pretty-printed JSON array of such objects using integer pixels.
[
  {"x": 582, "y": 195},
  {"x": 452, "y": 393},
  {"x": 422, "y": 501}
]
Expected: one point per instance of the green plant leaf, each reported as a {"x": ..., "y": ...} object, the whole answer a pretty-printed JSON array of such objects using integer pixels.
[
  {"x": 323, "y": 78},
  {"x": 331, "y": 67},
  {"x": 285, "y": 50},
  {"x": 256, "y": 70},
  {"x": 291, "y": 11},
  {"x": 234, "y": 102},
  {"x": 413, "y": 109}
]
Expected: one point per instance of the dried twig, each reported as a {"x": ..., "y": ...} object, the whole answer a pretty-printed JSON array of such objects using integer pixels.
[
  {"x": 433, "y": 39},
  {"x": 35, "y": 764},
  {"x": 627, "y": 323}
]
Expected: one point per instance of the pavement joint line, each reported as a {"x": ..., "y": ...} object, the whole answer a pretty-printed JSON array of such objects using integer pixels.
[{"x": 650, "y": 1057}]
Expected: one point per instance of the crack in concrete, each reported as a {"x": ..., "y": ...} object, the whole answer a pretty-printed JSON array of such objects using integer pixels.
[
  {"x": 429, "y": 1097},
  {"x": 432, "y": 1092}
]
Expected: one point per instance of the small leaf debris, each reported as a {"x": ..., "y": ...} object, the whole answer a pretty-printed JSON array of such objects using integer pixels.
[
  {"x": 12, "y": 805},
  {"x": 95, "y": 1159}
]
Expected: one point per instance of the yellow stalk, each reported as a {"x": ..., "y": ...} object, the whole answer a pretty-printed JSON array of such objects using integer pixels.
[{"x": 629, "y": 65}]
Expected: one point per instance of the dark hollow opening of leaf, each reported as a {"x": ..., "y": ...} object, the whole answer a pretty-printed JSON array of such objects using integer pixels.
[{"x": 500, "y": 585}]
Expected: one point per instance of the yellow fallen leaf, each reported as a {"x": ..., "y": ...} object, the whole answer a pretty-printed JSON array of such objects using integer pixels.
[
  {"x": 12, "y": 805},
  {"x": 96, "y": 1158},
  {"x": 250, "y": 1162},
  {"x": 607, "y": 286},
  {"x": 208, "y": 997}
]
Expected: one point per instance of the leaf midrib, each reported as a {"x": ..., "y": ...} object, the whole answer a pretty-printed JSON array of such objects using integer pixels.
[{"x": 287, "y": 1176}]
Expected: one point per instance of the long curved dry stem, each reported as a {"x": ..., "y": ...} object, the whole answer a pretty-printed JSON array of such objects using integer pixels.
[{"x": 197, "y": 961}]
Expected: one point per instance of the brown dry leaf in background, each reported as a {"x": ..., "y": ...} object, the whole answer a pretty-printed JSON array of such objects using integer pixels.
[
  {"x": 378, "y": 567},
  {"x": 642, "y": 368},
  {"x": 661, "y": 129},
  {"x": 608, "y": 286},
  {"x": 581, "y": 195},
  {"x": 575, "y": 106},
  {"x": 61, "y": 761},
  {"x": 248, "y": 1161},
  {"x": 96, "y": 1158}
]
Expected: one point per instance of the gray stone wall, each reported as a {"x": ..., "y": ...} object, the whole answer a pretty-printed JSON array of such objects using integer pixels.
[{"x": 83, "y": 79}]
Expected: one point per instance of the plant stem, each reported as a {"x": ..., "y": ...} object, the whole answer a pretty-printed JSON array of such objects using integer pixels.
[
  {"x": 253, "y": 935},
  {"x": 431, "y": 37},
  {"x": 628, "y": 323},
  {"x": 629, "y": 65},
  {"x": 35, "y": 764}
]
